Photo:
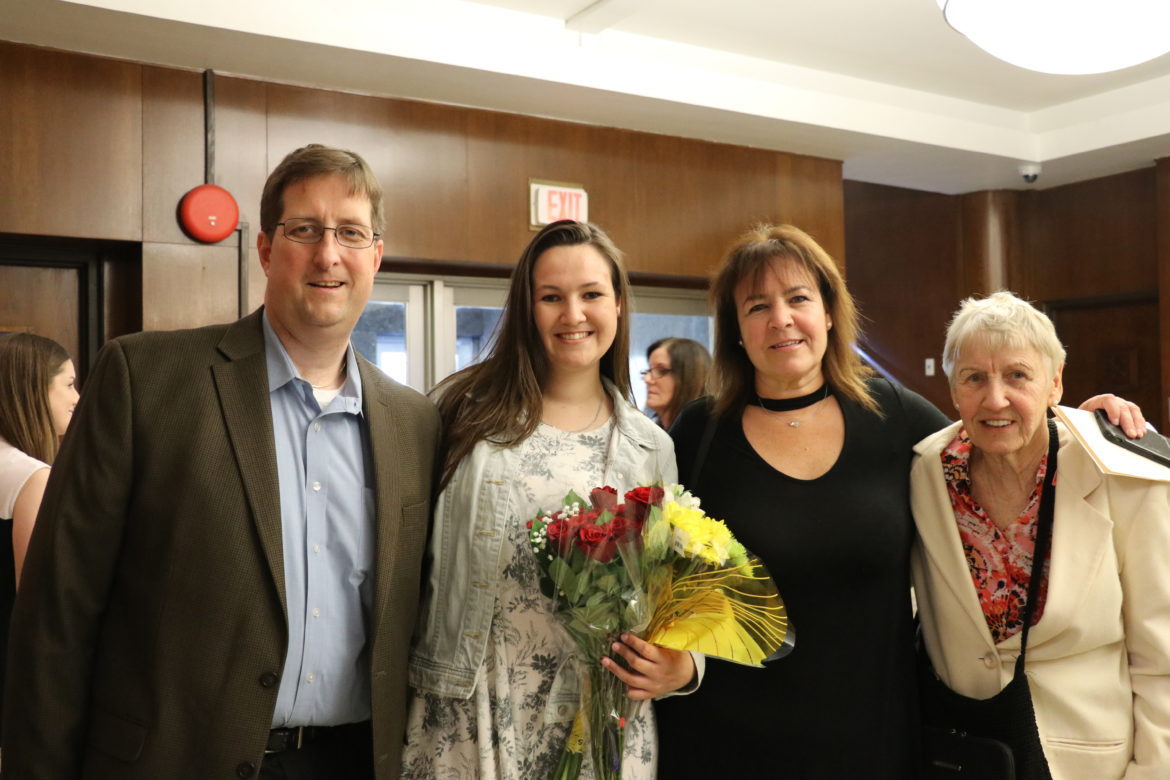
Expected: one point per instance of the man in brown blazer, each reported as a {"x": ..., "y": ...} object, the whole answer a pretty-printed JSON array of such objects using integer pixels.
[{"x": 224, "y": 575}]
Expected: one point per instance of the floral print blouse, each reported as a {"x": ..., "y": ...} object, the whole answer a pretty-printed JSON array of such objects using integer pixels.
[{"x": 1000, "y": 560}]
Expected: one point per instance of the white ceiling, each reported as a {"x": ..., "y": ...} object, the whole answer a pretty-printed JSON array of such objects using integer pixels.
[{"x": 883, "y": 85}]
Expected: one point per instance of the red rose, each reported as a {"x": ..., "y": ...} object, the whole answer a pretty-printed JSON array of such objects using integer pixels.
[
  {"x": 593, "y": 534},
  {"x": 639, "y": 500},
  {"x": 603, "y": 498},
  {"x": 581, "y": 519},
  {"x": 621, "y": 526},
  {"x": 625, "y": 530},
  {"x": 560, "y": 535},
  {"x": 595, "y": 542}
]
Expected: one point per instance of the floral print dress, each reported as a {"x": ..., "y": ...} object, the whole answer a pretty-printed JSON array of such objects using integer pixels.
[{"x": 514, "y": 725}]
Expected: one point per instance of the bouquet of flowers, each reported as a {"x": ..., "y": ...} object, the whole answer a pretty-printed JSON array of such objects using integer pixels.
[{"x": 657, "y": 567}]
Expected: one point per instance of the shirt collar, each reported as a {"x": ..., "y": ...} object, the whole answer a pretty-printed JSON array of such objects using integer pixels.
[{"x": 282, "y": 371}]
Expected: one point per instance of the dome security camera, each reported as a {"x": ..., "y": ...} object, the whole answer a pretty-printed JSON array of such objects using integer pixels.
[{"x": 1030, "y": 172}]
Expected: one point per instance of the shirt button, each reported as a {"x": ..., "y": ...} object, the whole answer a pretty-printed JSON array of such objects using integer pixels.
[
  {"x": 245, "y": 770},
  {"x": 990, "y": 660},
  {"x": 317, "y": 486},
  {"x": 316, "y": 426},
  {"x": 563, "y": 709},
  {"x": 267, "y": 680},
  {"x": 316, "y": 612},
  {"x": 316, "y": 548},
  {"x": 310, "y": 678}
]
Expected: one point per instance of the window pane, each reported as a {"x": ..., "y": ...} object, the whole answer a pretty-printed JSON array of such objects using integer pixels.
[
  {"x": 475, "y": 328},
  {"x": 380, "y": 337},
  {"x": 645, "y": 329}
]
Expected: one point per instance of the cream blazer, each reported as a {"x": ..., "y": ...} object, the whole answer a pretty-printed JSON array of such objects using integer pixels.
[{"x": 1099, "y": 659}]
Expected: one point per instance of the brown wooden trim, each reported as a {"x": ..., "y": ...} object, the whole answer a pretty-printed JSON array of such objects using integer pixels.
[
  {"x": 643, "y": 279},
  {"x": 411, "y": 265}
]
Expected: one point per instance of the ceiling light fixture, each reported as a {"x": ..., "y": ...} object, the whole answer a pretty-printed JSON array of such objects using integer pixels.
[{"x": 1067, "y": 37}]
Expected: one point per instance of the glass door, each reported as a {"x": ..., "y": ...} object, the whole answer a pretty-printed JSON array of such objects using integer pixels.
[{"x": 391, "y": 332}]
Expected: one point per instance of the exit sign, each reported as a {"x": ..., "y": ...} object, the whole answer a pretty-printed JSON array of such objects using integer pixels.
[{"x": 549, "y": 201}]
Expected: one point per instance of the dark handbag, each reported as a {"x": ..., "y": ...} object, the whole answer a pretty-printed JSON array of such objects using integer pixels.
[{"x": 996, "y": 738}]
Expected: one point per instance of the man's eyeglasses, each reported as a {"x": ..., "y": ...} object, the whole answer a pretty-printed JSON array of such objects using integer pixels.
[
  {"x": 657, "y": 372},
  {"x": 310, "y": 231}
]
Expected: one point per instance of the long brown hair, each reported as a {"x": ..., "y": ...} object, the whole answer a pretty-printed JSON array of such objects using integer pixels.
[
  {"x": 499, "y": 398},
  {"x": 28, "y": 364},
  {"x": 690, "y": 365},
  {"x": 749, "y": 258}
]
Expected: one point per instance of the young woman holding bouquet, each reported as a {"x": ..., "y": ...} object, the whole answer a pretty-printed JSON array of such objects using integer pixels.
[
  {"x": 494, "y": 690},
  {"x": 808, "y": 466}
]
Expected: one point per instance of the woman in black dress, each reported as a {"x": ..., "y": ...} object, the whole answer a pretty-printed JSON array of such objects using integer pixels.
[{"x": 807, "y": 462}]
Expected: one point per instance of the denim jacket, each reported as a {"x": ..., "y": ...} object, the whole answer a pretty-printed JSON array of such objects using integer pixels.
[{"x": 465, "y": 563}]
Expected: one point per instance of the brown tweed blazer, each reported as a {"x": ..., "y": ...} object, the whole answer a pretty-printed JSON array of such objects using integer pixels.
[{"x": 150, "y": 631}]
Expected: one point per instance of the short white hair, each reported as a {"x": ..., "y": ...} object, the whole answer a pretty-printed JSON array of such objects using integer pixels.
[{"x": 1001, "y": 320}]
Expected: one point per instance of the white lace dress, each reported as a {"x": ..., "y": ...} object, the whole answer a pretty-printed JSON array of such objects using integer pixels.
[{"x": 509, "y": 729}]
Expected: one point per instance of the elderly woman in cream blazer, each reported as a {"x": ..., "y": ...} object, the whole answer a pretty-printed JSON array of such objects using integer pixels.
[{"x": 1098, "y": 659}]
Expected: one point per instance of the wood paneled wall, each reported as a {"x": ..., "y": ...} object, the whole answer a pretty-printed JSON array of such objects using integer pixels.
[
  {"x": 47, "y": 304},
  {"x": 1162, "y": 219},
  {"x": 456, "y": 179},
  {"x": 1088, "y": 240},
  {"x": 905, "y": 270},
  {"x": 1095, "y": 255},
  {"x": 70, "y": 145},
  {"x": 1088, "y": 251}
]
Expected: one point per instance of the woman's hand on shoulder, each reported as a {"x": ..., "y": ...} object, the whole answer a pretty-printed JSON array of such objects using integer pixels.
[
  {"x": 653, "y": 671},
  {"x": 1121, "y": 412}
]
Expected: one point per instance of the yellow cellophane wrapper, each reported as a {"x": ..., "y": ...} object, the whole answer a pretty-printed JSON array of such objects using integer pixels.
[{"x": 733, "y": 613}]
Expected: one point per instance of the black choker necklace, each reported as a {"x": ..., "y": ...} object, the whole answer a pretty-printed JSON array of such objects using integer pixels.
[{"x": 792, "y": 404}]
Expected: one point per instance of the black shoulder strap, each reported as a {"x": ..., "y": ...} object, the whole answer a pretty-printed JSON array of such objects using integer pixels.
[{"x": 1044, "y": 523}]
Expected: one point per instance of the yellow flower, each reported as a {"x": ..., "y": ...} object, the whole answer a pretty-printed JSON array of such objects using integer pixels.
[{"x": 698, "y": 536}]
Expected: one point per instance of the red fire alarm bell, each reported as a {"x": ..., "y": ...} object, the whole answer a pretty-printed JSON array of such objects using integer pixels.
[{"x": 208, "y": 213}]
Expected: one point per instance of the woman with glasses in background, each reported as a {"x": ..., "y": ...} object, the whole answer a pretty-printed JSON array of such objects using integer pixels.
[{"x": 677, "y": 375}]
